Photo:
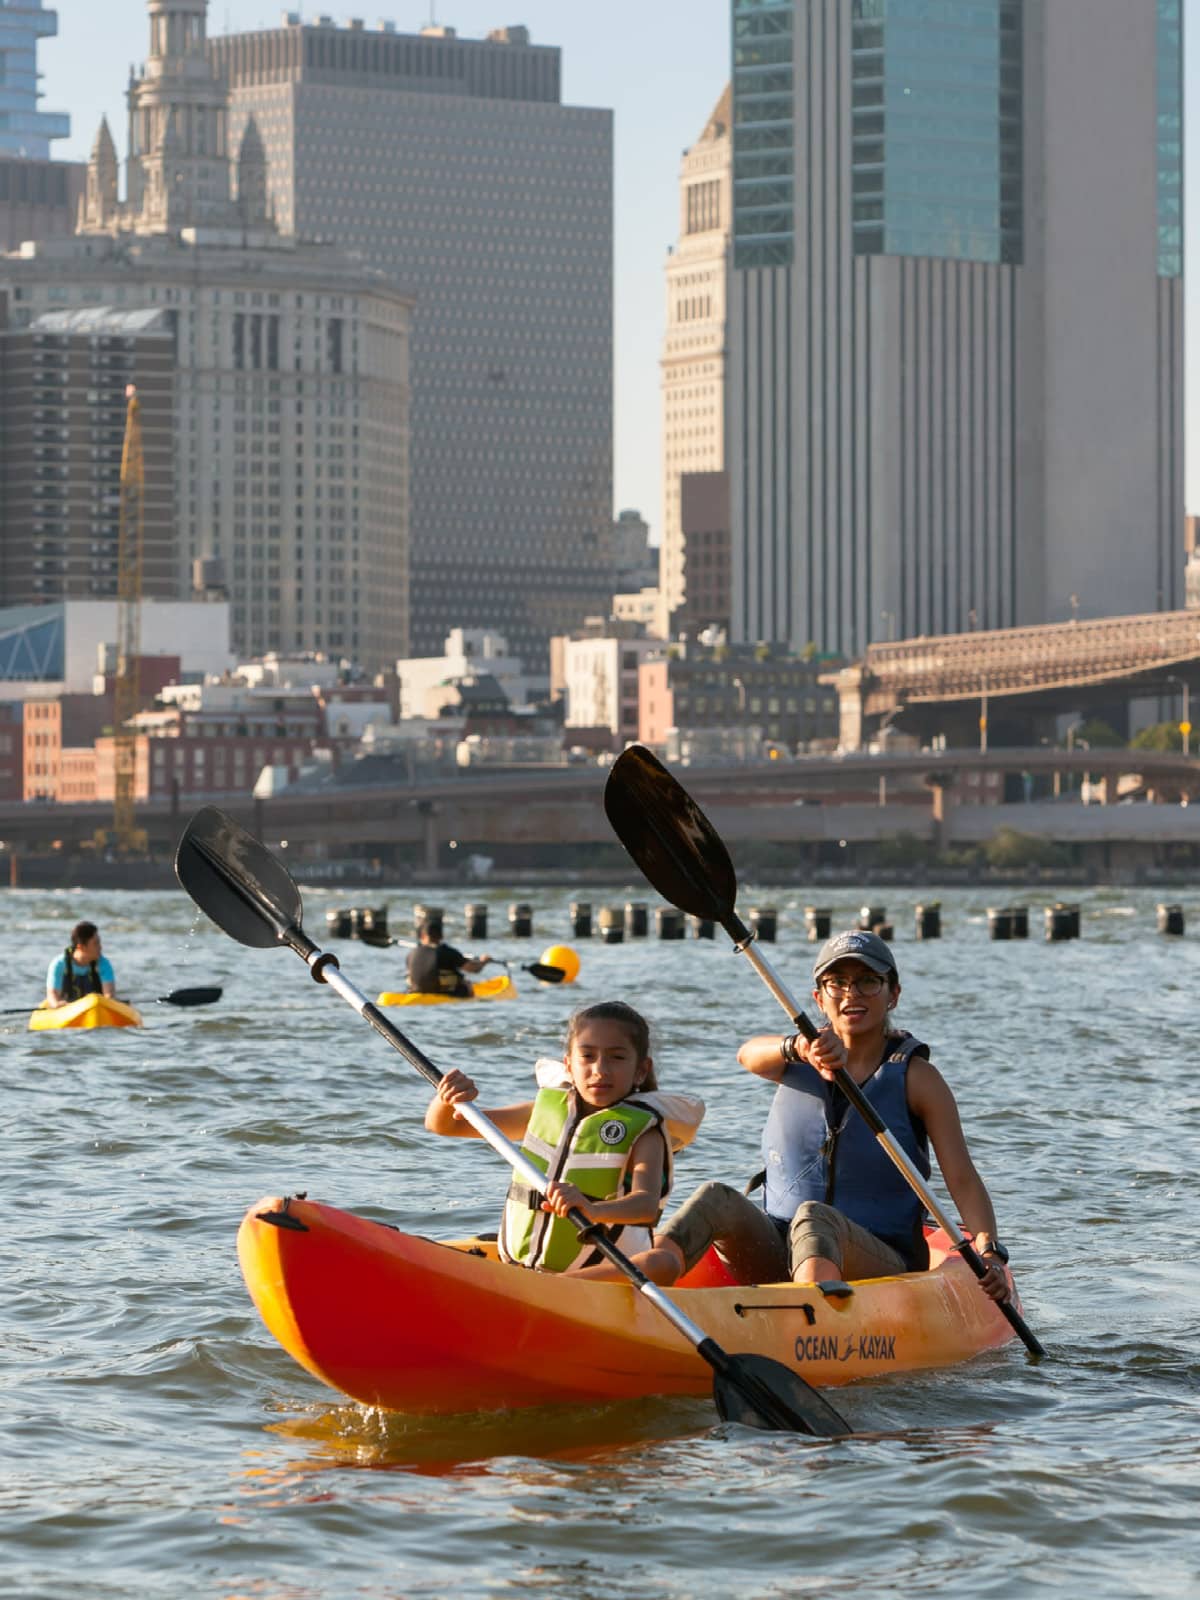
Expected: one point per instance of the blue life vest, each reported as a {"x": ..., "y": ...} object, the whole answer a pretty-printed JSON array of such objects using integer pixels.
[{"x": 816, "y": 1147}]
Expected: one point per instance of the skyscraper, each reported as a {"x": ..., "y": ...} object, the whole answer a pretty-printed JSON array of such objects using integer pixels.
[
  {"x": 452, "y": 165},
  {"x": 63, "y": 405},
  {"x": 38, "y": 197},
  {"x": 24, "y": 130},
  {"x": 956, "y": 329},
  {"x": 694, "y": 349},
  {"x": 290, "y": 369}
]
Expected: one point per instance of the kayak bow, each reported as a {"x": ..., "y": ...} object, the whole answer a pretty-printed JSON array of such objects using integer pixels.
[{"x": 92, "y": 1011}]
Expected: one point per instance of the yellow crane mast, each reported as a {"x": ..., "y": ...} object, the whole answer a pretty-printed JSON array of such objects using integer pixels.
[{"x": 126, "y": 836}]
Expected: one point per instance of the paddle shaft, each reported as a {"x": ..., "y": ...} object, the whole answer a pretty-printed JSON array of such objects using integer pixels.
[{"x": 746, "y": 945}]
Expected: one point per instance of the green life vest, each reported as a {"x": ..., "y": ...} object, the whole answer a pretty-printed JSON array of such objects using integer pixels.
[{"x": 591, "y": 1151}]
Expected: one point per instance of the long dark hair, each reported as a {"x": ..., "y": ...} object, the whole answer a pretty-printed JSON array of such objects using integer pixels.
[{"x": 632, "y": 1021}]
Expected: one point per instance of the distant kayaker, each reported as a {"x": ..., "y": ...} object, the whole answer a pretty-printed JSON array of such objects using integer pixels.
[
  {"x": 80, "y": 970},
  {"x": 601, "y": 1130},
  {"x": 435, "y": 967},
  {"x": 835, "y": 1207}
]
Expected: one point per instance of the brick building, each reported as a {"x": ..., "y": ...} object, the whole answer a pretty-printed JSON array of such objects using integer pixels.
[
  {"x": 691, "y": 687},
  {"x": 221, "y": 744},
  {"x": 195, "y": 764},
  {"x": 58, "y": 734}
]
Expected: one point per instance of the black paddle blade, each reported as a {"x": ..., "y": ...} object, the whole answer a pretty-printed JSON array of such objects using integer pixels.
[
  {"x": 191, "y": 997},
  {"x": 235, "y": 880},
  {"x": 544, "y": 973},
  {"x": 761, "y": 1393},
  {"x": 678, "y": 850}
]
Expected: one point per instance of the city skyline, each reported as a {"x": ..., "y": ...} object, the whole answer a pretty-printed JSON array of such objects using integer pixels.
[{"x": 651, "y": 131}]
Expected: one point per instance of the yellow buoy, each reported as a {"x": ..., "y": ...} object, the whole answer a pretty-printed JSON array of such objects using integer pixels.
[{"x": 561, "y": 955}]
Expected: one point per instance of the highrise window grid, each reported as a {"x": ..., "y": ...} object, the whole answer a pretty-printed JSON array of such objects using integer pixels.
[
  {"x": 764, "y": 140},
  {"x": 1170, "y": 138},
  {"x": 937, "y": 109}
]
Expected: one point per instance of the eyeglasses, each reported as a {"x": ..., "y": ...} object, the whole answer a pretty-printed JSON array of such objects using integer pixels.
[{"x": 870, "y": 983}]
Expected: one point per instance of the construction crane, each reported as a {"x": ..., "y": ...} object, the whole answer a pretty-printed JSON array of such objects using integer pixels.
[{"x": 126, "y": 836}]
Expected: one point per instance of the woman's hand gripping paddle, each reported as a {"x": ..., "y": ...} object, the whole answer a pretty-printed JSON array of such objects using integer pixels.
[
  {"x": 248, "y": 893},
  {"x": 683, "y": 857}
]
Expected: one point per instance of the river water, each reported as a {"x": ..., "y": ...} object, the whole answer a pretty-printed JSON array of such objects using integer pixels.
[{"x": 154, "y": 1440}]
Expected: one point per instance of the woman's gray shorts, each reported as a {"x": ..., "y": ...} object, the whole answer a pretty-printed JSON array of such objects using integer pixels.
[{"x": 757, "y": 1249}]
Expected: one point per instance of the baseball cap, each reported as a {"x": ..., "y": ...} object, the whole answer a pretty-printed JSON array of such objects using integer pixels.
[{"x": 857, "y": 945}]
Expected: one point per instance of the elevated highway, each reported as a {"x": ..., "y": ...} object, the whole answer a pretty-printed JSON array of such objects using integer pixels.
[{"x": 811, "y": 800}]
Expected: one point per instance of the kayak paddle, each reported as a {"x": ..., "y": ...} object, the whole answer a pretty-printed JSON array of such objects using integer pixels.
[
  {"x": 682, "y": 856},
  {"x": 191, "y": 997},
  {"x": 540, "y": 970},
  {"x": 247, "y": 892},
  {"x": 177, "y": 997}
]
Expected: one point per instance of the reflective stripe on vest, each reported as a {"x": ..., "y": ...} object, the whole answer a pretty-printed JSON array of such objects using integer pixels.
[{"x": 591, "y": 1151}]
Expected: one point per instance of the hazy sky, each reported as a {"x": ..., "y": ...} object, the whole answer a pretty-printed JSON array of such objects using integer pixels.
[{"x": 660, "y": 65}]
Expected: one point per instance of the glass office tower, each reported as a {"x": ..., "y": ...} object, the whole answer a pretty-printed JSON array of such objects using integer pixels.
[
  {"x": 936, "y": 108},
  {"x": 24, "y": 130},
  {"x": 1170, "y": 138},
  {"x": 956, "y": 319}
]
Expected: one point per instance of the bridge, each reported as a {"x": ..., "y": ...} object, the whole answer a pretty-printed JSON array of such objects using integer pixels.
[
  {"x": 939, "y": 684},
  {"x": 809, "y": 803}
]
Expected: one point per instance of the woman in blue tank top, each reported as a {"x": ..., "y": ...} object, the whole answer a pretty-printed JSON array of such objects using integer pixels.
[{"x": 835, "y": 1206}]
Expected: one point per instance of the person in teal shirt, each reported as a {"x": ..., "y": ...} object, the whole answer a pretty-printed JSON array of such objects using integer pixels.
[{"x": 80, "y": 970}]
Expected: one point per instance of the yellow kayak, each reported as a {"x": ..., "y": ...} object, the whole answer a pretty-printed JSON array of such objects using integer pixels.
[
  {"x": 93, "y": 1011},
  {"x": 501, "y": 988}
]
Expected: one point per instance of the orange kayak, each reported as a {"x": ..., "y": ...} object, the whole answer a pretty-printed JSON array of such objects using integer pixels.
[{"x": 412, "y": 1325}]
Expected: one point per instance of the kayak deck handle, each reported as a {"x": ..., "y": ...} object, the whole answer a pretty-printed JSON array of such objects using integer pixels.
[
  {"x": 810, "y": 1316},
  {"x": 282, "y": 1219}
]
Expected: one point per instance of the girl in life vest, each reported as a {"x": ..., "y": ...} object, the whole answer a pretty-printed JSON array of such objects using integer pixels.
[{"x": 600, "y": 1129}]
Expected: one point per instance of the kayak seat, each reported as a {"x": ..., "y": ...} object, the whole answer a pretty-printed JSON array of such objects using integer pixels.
[{"x": 835, "y": 1289}]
